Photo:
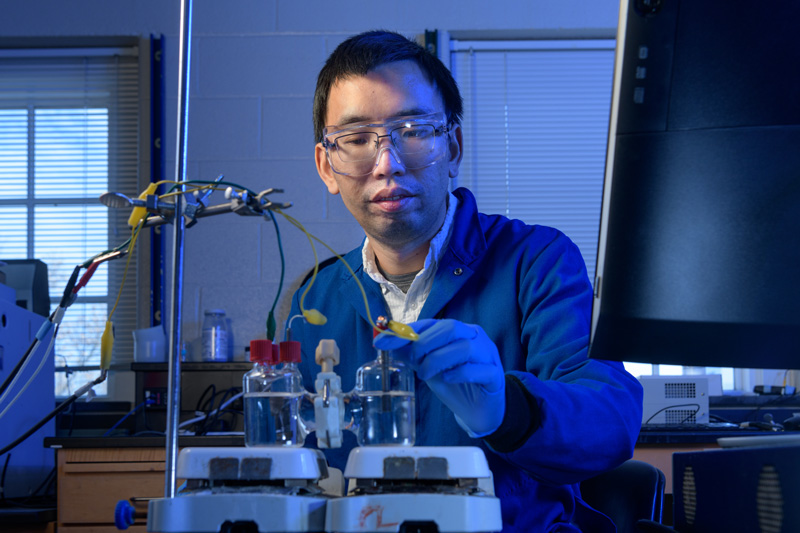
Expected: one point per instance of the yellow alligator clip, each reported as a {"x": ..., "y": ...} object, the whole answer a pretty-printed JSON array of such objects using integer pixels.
[
  {"x": 403, "y": 331},
  {"x": 315, "y": 317},
  {"x": 139, "y": 213}
]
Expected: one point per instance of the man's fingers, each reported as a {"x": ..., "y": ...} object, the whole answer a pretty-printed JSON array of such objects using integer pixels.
[
  {"x": 445, "y": 332},
  {"x": 454, "y": 355},
  {"x": 477, "y": 374},
  {"x": 388, "y": 341},
  {"x": 443, "y": 345}
]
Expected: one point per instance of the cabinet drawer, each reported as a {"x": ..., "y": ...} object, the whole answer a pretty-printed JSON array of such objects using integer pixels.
[
  {"x": 91, "y": 481},
  {"x": 92, "y": 497}
]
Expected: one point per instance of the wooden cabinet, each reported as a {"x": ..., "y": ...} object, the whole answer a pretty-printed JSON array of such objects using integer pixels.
[{"x": 92, "y": 480}]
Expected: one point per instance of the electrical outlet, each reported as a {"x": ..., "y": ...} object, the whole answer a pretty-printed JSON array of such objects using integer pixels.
[{"x": 158, "y": 395}]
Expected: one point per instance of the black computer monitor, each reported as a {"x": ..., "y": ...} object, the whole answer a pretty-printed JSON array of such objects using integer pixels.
[{"x": 699, "y": 251}]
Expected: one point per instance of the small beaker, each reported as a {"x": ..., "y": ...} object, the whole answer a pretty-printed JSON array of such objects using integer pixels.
[{"x": 150, "y": 345}]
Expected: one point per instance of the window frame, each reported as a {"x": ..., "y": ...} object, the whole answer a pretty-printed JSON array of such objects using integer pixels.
[{"x": 120, "y": 382}]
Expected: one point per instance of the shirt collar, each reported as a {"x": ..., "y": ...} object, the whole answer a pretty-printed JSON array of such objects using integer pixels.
[{"x": 437, "y": 246}]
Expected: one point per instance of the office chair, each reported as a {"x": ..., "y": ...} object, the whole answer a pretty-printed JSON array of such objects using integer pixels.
[{"x": 631, "y": 492}]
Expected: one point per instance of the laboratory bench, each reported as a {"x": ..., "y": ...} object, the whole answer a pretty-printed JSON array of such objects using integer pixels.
[{"x": 94, "y": 473}]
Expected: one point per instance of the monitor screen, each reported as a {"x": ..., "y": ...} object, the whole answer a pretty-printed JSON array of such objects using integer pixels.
[{"x": 699, "y": 251}]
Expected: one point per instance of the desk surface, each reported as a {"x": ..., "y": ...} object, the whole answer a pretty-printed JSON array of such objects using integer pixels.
[{"x": 693, "y": 435}]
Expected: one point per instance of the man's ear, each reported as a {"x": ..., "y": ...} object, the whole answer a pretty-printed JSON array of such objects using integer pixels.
[
  {"x": 455, "y": 148},
  {"x": 324, "y": 169}
]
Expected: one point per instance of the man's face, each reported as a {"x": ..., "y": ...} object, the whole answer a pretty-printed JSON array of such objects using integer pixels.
[{"x": 399, "y": 207}]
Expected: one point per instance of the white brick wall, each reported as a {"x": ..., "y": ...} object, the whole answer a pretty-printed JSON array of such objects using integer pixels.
[{"x": 254, "y": 65}]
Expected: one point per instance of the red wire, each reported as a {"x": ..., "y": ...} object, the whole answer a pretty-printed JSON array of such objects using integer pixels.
[{"x": 86, "y": 277}]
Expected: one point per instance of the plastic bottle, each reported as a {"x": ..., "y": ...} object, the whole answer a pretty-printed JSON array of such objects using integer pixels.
[
  {"x": 215, "y": 337},
  {"x": 259, "y": 424},
  {"x": 385, "y": 391}
]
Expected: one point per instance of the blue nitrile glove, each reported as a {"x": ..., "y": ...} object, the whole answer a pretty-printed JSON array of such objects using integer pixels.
[{"x": 461, "y": 366}]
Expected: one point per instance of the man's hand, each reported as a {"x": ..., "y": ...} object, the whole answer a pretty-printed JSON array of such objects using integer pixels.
[{"x": 461, "y": 366}]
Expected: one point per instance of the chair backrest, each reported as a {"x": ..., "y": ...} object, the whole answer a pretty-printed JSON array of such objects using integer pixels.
[{"x": 631, "y": 492}]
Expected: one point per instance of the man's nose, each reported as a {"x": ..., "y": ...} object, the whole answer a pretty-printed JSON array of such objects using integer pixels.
[{"x": 388, "y": 161}]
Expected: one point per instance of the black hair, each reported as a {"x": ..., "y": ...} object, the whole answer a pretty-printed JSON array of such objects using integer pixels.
[{"x": 366, "y": 51}]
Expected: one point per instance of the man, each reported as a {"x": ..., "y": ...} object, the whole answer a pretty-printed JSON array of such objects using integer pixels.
[{"x": 502, "y": 308}]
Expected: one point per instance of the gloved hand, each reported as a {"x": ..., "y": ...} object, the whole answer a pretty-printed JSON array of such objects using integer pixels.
[{"x": 462, "y": 367}]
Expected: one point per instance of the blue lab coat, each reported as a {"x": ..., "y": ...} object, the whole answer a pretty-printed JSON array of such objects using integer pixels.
[{"x": 567, "y": 417}]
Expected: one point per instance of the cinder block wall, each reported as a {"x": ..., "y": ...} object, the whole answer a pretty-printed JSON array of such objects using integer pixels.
[{"x": 253, "y": 69}]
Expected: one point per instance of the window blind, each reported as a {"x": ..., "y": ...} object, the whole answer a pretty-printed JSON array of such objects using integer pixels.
[
  {"x": 69, "y": 131},
  {"x": 535, "y": 129}
]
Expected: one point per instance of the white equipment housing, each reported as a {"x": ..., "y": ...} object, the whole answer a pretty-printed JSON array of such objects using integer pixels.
[
  {"x": 444, "y": 489},
  {"x": 277, "y": 489},
  {"x": 678, "y": 399},
  {"x": 291, "y": 490}
]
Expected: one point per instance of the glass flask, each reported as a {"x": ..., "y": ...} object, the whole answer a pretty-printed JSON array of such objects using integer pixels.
[
  {"x": 272, "y": 397},
  {"x": 384, "y": 393},
  {"x": 259, "y": 424}
]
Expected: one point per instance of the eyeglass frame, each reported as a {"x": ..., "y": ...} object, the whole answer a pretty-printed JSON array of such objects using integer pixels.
[{"x": 440, "y": 121}]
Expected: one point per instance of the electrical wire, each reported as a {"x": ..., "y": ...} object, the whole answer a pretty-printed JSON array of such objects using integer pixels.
[
  {"x": 71, "y": 412},
  {"x": 205, "y": 405},
  {"x": 131, "y": 247},
  {"x": 206, "y": 415},
  {"x": 777, "y": 400},
  {"x": 219, "y": 412},
  {"x": 39, "y": 424},
  {"x": 54, "y": 322},
  {"x": 3, "y": 479},
  {"x": 31, "y": 348},
  {"x": 695, "y": 405},
  {"x": 190, "y": 191},
  {"x": 63, "y": 405},
  {"x": 27, "y": 501},
  {"x": 213, "y": 419},
  {"x": 206, "y": 184},
  {"x": 307, "y": 313},
  {"x": 128, "y": 414},
  {"x": 42, "y": 362},
  {"x": 288, "y": 329},
  {"x": 395, "y": 328},
  {"x": 199, "y": 406},
  {"x": 271, "y": 325},
  {"x": 55, "y": 319},
  {"x": 45, "y": 485},
  {"x": 311, "y": 315},
  {"x": 217, "y": 186}
]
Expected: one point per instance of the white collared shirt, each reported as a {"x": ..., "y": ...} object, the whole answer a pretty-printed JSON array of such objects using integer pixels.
[{"x": 405, "y": 307}]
